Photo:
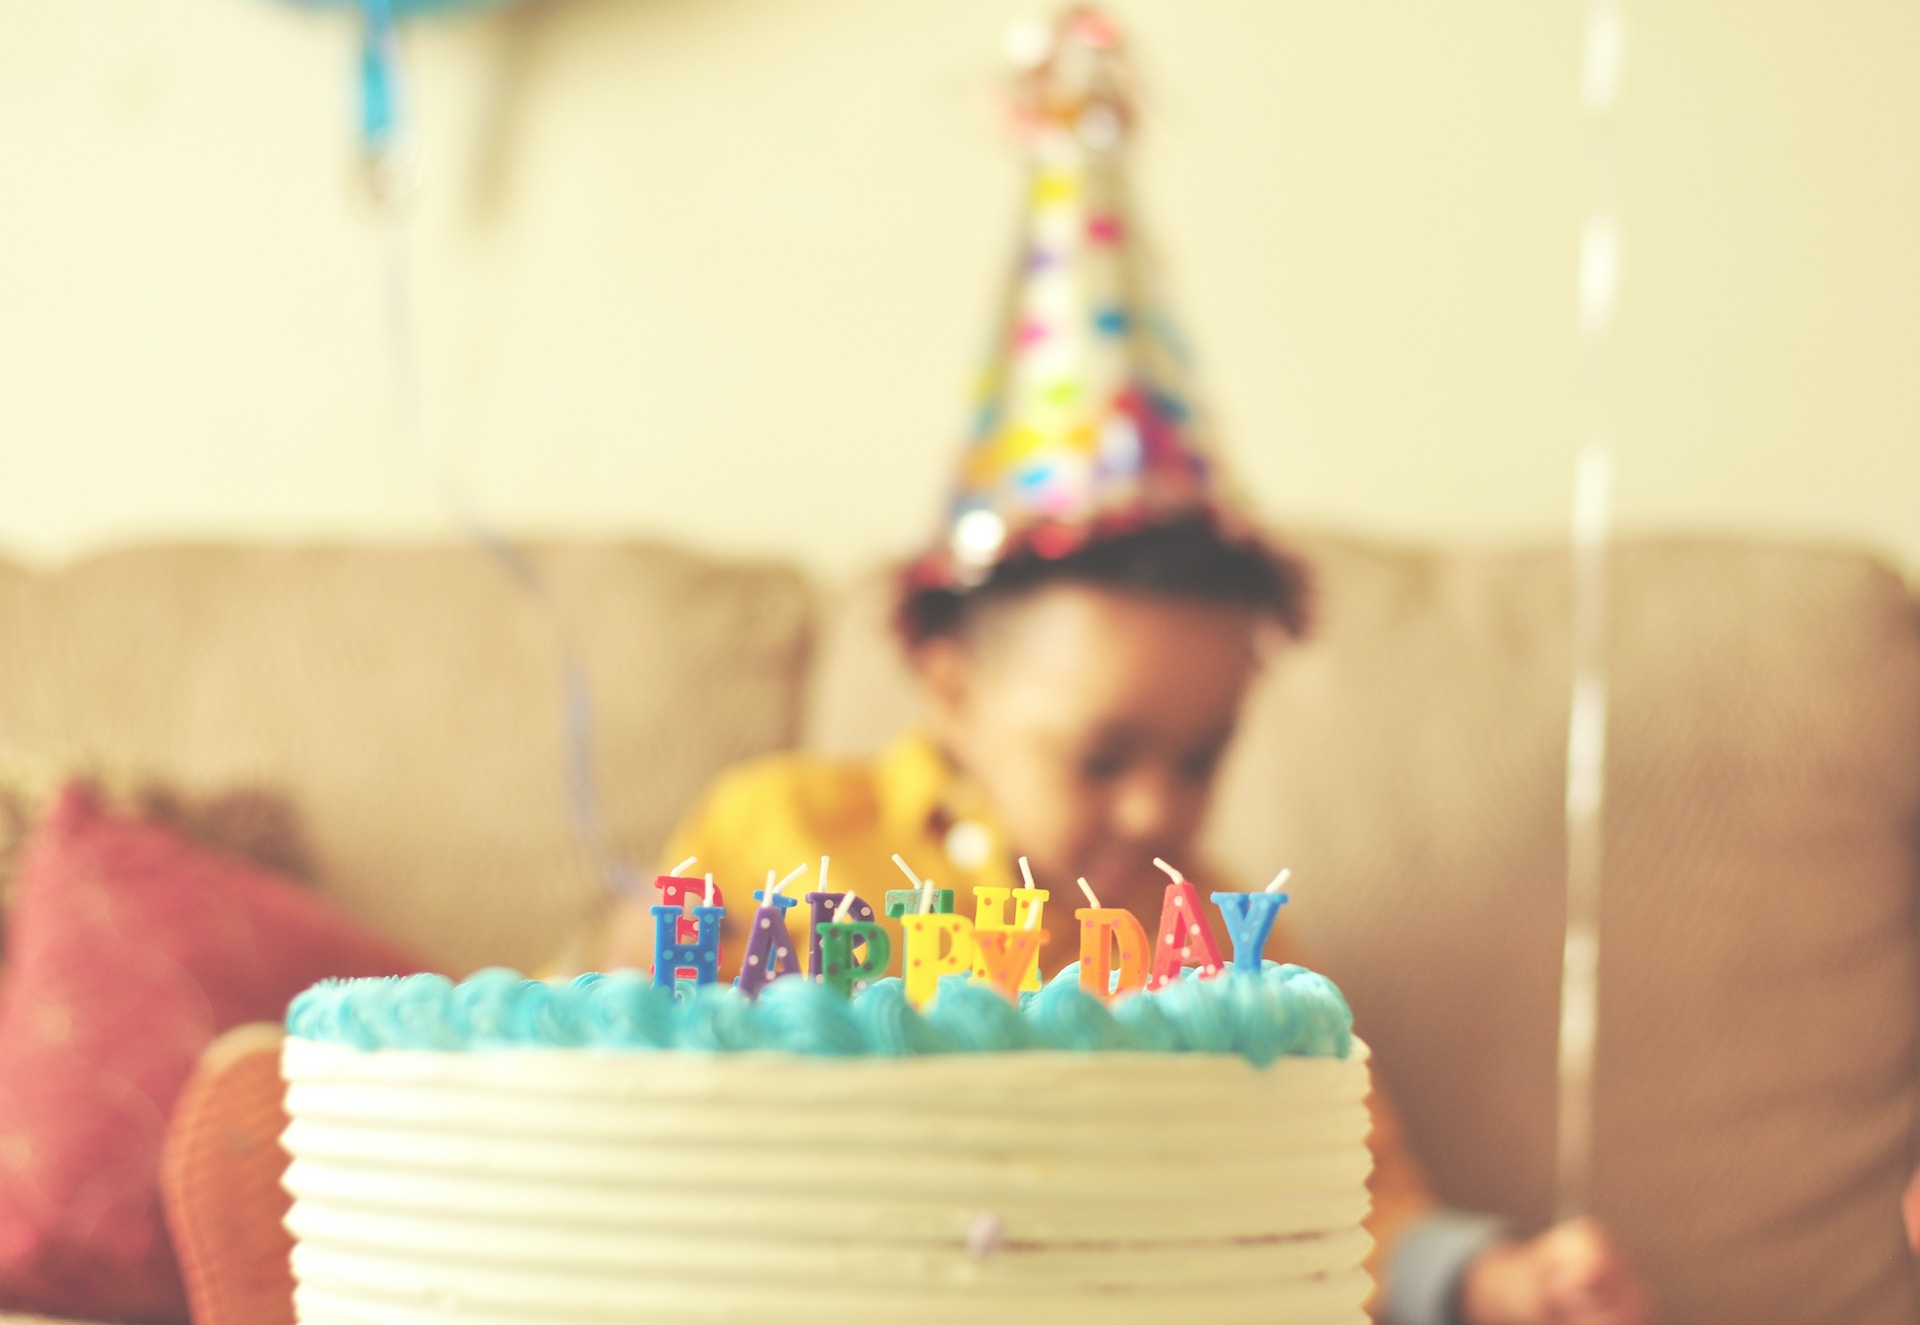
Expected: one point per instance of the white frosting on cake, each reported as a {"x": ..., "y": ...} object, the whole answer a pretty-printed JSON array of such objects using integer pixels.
[{"x": 542, "y": 1186}]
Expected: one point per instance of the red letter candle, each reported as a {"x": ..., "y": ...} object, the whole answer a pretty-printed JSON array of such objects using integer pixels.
[
  {"x": 679, "y": 891},
  {"x": 1185, "y": 939}
]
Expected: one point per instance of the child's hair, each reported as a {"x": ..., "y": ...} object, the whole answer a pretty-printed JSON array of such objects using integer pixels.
[{"x": 1187, "y": 558}]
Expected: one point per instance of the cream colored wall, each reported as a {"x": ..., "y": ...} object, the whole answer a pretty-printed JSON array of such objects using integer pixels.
[{"x": 717, "y": 269}]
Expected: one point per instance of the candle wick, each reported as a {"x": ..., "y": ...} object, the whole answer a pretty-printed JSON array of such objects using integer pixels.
[
  {"x": 823, "y": 872},
  {"x": 679, "y": 871},
  {"x": 1171, "y": 872},
  {"x": 1279, "y": 881},
  {"x": 926, "y": 898},
  {"x": 840, "y": 913},
  {"x": 908, "y": 871},
  {"x": 709, "y": 897},
  {"x": 1087, "y": 888},
  {"x": 1026, "y": 873}
]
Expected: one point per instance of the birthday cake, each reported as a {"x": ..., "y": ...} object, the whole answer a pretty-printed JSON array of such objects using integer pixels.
[{"x": 615, "y": 1150}]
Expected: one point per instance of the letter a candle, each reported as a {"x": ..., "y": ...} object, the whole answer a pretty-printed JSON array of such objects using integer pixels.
[
  {"x": 1185, "y": 939},
  {"x": 769, "y": 952}
]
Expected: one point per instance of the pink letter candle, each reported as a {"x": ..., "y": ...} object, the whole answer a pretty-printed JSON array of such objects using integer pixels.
[{"x": 1185, "y": 939}]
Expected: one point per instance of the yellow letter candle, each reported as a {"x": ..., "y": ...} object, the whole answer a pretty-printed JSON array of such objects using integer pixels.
[{"x": 936, "y": 945}]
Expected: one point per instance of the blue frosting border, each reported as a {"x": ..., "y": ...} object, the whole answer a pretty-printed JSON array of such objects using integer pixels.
[{"x": 1283, "y": 1011}]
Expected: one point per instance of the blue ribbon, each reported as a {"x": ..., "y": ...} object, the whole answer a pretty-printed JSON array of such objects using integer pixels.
[{"x": 381, "y": 103}]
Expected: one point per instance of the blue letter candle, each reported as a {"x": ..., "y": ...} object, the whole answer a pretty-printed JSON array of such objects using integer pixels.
[
  {"x": 701, "y": 958},
  {"x": 1249, "y": 918}
]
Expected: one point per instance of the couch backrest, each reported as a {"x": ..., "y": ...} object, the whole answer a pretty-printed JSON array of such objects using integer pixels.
[
  {"x": 1760, "y": 1008},
  {"x": 410, "y": 704}
]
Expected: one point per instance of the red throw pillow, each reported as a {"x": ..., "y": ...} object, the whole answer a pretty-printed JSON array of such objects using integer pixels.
[{"x": 130, "y": 947}]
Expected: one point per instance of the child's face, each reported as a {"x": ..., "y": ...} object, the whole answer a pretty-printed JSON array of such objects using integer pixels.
[{"x": 1094, "y": 719}]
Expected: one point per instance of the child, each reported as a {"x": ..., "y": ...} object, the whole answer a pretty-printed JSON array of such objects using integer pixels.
[
  {"x": 1084, "y": 633},
  {"x": 1077, "y": 711}
]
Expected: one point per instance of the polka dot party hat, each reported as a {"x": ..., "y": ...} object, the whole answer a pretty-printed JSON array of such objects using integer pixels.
[{"x": 1083, "y": 424}]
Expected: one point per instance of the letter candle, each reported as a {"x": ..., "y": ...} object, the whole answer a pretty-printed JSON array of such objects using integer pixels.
[
  {"x": 770, "y": 952},
  {"x": 1185, "y": 938},
  {"x": 701, "y": 957},
  {"x": 678, "y": 893},
  {"x": 937, "y": 942},
  {"x": 676, "y": 889},
  {"x": 903, "y": 902},
  {"x": 829, "y": 909},
  {"x": 1103, "y": 928},
  {"x": 1008, "y": 953},
  {"x": 1029, "y": 908},
  {"x": 834, "y": 945},
  {"x": 1249, "y": 918},
  {"x": 990, "y": 913}
]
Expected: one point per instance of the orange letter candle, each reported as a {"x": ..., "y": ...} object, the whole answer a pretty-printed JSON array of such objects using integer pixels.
[
  {"x": 1006, "y": 954},
  {"x": 1101, "y": 928}
]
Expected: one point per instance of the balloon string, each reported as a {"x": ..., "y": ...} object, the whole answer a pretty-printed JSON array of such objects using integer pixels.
[
  {"x": 420, "y": 427},
  {"x": 1597, "y": 291}
]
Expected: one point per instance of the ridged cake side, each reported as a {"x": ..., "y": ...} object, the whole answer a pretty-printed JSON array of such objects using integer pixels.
[{"x": 544, "y": 1187}]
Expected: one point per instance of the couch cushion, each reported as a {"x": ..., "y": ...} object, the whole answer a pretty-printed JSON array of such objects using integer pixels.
[
  {"x": 411, "y": 704},
  {"x": 132, "y": 948},
  {"x": 1760, "y": 1025}
]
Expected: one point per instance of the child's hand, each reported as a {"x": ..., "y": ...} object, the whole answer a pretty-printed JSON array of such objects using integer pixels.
[{"x": 1570, "y": 1275}]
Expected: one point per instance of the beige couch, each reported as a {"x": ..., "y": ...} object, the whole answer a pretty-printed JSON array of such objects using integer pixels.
[{"x": 1761, "y": 972}]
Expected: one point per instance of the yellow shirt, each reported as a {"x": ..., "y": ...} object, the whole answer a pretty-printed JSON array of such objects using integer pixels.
[{"x": 787, "y": 810}]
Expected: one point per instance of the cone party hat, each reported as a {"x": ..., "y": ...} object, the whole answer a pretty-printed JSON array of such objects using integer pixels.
[{"x": 1083, "y": 424}]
